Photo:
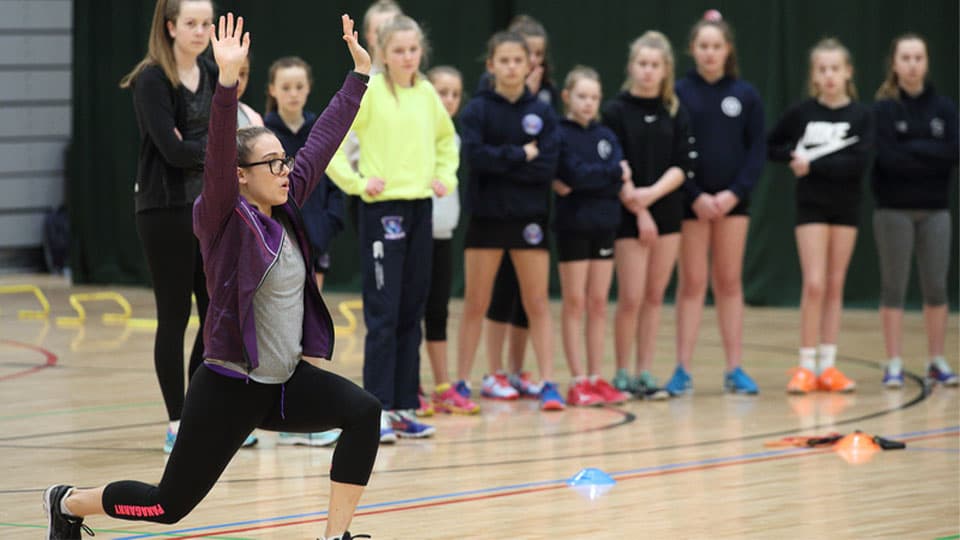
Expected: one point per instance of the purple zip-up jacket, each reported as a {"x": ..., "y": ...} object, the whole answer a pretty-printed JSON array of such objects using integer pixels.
[{"x": 240, "y": 245}]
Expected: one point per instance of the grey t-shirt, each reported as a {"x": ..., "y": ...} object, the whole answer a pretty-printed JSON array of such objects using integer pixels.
[{"x": 278, "y": 313}]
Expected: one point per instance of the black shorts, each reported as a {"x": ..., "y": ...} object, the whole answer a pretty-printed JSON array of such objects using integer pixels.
[
  {"x": 666, "y": 213},
  {"x": 845, "y": 213},
  {"x": 495, "y": 234},
  {"x": 741, "y": 209},
  {"x": 584, "y": 246}
]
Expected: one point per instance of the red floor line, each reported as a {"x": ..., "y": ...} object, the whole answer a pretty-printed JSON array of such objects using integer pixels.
[
  {"x": 433, "y": 504},
  {"x": 51, "y": 359}
]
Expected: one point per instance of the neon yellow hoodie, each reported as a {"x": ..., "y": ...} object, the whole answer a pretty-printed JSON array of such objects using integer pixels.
[{"x": 408, "y": 140}]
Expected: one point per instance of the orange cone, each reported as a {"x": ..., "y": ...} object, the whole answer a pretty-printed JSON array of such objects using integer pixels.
[{"x": 857, "y": 448}]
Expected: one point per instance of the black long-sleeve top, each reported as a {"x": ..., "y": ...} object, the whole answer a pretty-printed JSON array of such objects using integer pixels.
[
  {"x": 834, "y": 179},
  {"x": 170, "y": 170}
]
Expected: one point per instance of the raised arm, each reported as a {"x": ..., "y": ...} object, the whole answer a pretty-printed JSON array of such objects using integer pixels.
[
  {"x": 333, "y": 124},
  {"x": 220, "y": 185}
]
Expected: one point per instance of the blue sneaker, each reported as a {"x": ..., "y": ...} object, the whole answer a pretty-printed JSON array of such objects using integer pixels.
[
  {"x": 168, "y": 442},
  {"x": 387, "y": 434},
  {"x": 463, "y": 388},
  {"x": 550, "y": 398},
  {"x": 406, "y": 426},
  {"x": 942, "y": 376},
  {"x": 738, "y": 382},
  {"x": 680, "y": 383},
  {"x": 892, "y": 379}
]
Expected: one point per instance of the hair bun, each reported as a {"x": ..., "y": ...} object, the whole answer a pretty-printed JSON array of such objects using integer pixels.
[{"x": 712, "y": 15}]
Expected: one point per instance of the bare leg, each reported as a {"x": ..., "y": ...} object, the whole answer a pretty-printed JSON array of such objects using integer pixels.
[
  {"x": 599, "y": 276},
  {"x": 573, "y": 283},
  {"x": 663, "y": 257},
  {"x": 517, "y": 338},
  {"x": 727, "y": 245},
  {"x": 892, "y": 321},
  {"x": 480, "y": 267},
  {"x": 343, "y": 503},
  {"x": 692, "y": 286},
  {"x": 812, "y": 246},
  {"x": 437, "y": 351},
  {"x": 935, "y": 318},
  {"x": 630, "y": 258},
  {"x": 85, "y": 502},
  {"x": 533, "y": 271},
  {"x": 842, "y": 240}
]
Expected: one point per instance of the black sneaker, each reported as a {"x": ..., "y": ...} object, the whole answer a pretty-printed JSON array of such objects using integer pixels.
[
  {"x": 59, "y": 525},
  {"x": 348, "y": 536}
]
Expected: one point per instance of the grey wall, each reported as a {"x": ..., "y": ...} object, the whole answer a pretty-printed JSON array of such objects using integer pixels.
[{"x": 35, "y": 119}]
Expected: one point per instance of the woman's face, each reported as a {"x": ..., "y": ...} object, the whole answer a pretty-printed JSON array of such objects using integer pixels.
[
  {"x": 191, "y": 31},
  {"x": 450, "y": 89},
  {"x": 290, "y": 87},
  {"x": 910, "y": 62},
  {"x": 710, "y": 50},
  {"x": 258, "y": 183}
]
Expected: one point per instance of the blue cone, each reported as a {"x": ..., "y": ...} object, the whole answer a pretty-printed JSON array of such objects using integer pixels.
[{"x": 591, "y": 477}]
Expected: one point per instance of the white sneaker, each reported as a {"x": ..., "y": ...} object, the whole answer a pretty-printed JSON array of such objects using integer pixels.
[
  {"x": 497, "y": 386},
  {"x": 321, "y": 438},
  {"x": 387, "y": 435}
]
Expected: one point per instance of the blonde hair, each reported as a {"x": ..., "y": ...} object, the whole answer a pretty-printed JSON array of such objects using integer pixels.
[
  {"x": 730, "y": 67},
  {"x": 401, "y": 23},
  {"x": 378, "y": 7},
  {"x": 160, "y": 44},
  {"x": 444, "y": 70},
  {"x": 830, "y": 45},
  {"x": 577, "y": 74},
  {"x": 652, "y": 39},
  {"x": 890, "y": 87}
]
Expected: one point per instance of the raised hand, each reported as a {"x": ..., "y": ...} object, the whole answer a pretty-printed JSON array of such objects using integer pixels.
[
  {"x": 230, "y": 46},
  {"x": 361, "y": 59}
]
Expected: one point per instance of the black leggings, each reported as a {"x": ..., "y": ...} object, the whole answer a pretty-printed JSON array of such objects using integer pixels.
[
  {"x": 438, "y": 299},
  {"x": 176, "y": 268},
  {"x": 219, "y": 413},
  {"x": 505, "y": 303}
]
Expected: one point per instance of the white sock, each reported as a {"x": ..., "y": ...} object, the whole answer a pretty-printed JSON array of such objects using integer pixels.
[
  {"x": 941, "y": 364},
  {"x": 579, "y": 379},
  {"x": 828, "y": 356},
  {"x": 895, "y": 365},
  {"x": 808, "y": 358},
  {"x": 63, "y": 504},
  {"x": 175, "y": 426},
  {"x": 594, "y": 379}
]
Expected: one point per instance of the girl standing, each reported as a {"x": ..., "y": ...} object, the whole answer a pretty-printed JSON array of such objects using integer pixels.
[
  {"x": 250, "y": 233},
  {"x": 510, "y": 140},
  {"x": 826, "y": 140},
  {"x": 409, "y": 154},
  {"x": 506, "y": 320},
  {"x": 288, "y": 87},
  {"x": 172, "y": 90},
  {"x": 655, "y": 132},
  {"x": 446, "y": 214},
  {"x": 916, "y": 152},
  {"x": 591, "y": 175},
  {"x": 726, "y": 117}
]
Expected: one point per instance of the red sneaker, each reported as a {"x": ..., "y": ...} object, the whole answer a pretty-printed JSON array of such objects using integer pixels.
[
  {"x": 608, "y": 393},
  {"x": 581, "y": 394}
]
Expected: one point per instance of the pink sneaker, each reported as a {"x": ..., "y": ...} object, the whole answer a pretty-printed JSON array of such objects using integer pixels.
[
  {"x": 450, "y": 401},
  {"x": 426, "y": 407}
]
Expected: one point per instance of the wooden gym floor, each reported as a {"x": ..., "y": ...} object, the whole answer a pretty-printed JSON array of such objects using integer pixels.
[{"x": 79, "y": 403}]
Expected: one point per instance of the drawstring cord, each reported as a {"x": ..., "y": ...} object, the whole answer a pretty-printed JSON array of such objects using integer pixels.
[{"x": 283, "y": 395}]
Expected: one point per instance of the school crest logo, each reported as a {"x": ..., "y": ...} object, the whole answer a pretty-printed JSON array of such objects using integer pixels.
[
  {"x": 604, "y": 148},
  {"x": 731, "y": 106},
  {"x": 532, "y": 124},
  {"x": 533, "y": 234},
  {"x": 393, "y": 227},
  {"x": 937, "y": 128}
]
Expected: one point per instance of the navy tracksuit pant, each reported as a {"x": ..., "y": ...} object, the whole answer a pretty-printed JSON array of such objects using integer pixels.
[{"x": 396, "y": 246}]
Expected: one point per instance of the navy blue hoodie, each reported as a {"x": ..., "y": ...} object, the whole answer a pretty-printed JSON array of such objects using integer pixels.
[
  {"x": 324, "y": 210},
  {"x": 590, "y": 164},
  {"x": 916, "y": 150},
  {"x": 503, "y": 184},
  {"x": 727, "y": 120}
]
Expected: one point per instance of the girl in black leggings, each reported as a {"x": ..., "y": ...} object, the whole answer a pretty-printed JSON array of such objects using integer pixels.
[{"x": 266, "y": 315}]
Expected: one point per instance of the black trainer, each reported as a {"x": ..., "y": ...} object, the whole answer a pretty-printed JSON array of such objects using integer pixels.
[
  {"x": 59, "y": 525},
  {"x": 348, "y": 536}
]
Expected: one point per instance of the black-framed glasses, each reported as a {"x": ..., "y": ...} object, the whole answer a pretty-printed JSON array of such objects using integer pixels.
[{"x": 276, "y": 164}]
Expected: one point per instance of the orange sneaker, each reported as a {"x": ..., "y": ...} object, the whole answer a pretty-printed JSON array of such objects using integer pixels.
[
  {"x": 803, "y": 381},
  {"x": 833, "y": 380}
]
